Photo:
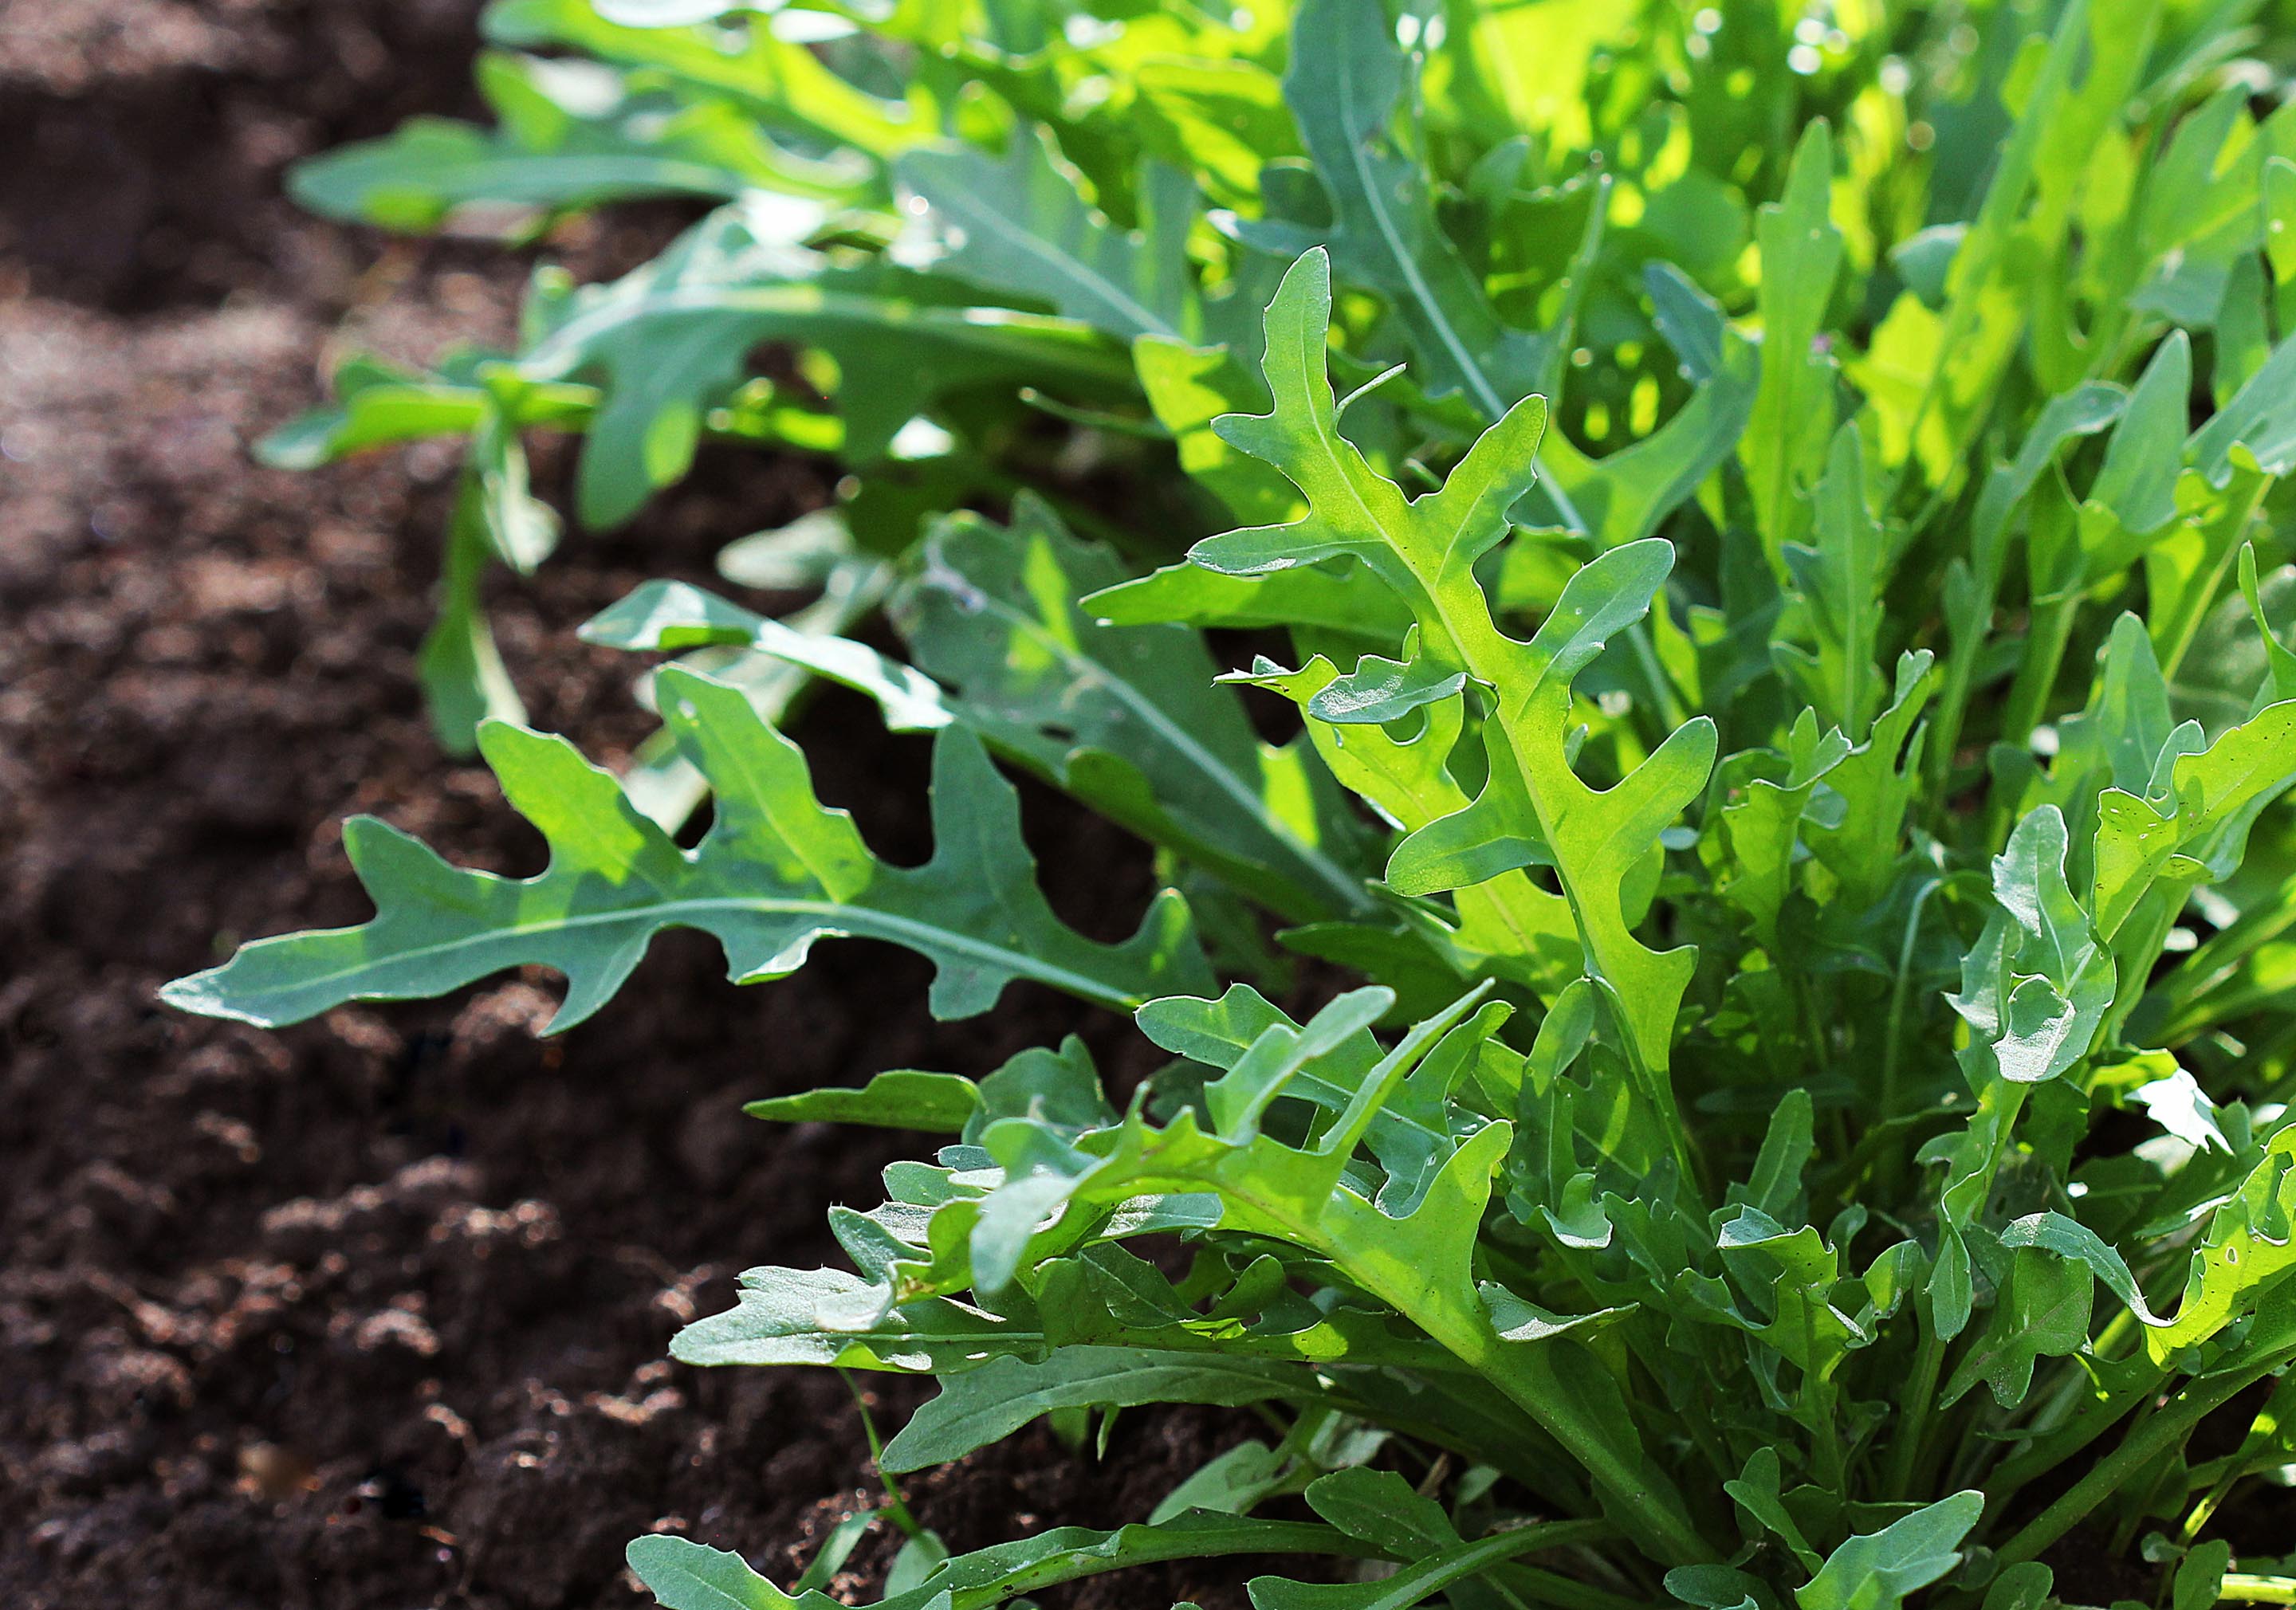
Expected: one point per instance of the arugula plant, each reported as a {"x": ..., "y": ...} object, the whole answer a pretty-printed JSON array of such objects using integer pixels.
[{"x": 1740, "y": 1053}]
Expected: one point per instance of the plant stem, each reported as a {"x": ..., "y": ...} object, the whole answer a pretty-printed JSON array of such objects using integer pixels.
[
  {"x": 896, "y": 1507},
  {"x": 1900, "y": 992},
  {"x": 1546, "y": 1588},
  {"x": 2193, "y": 607},
  {"x": 1920, "y": 1392},
  {"x": 2051, "y": 629},
  {"x": 1416, "y": 1583},
  {"x": 2166, "y": 1429},
  {"x": 2047, "y": 1452}
]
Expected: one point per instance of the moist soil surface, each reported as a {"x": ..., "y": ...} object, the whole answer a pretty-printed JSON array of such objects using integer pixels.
[{"x": 372, "y": 1313}]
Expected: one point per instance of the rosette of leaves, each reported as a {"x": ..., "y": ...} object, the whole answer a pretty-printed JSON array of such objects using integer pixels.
[{"x": 1741, "y": 1055}]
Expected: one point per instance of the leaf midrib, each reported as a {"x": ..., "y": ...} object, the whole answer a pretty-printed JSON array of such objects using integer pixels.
[
  {"x": 1066, "y": 342},
  {"x": 1077, "y": 270},
  {"x": 1358, "y": 155},
  {"x": 863, "y": 921}
]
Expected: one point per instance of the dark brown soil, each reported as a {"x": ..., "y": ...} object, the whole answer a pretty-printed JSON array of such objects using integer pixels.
[{"x": 372, "y": 1313}]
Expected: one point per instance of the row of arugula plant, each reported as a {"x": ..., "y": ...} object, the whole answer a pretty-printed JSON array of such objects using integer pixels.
[{"x": 1777, "y": 517}]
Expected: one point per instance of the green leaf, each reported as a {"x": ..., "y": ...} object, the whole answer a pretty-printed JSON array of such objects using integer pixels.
[
  {"x": 1785, "y": 444},
  {"x": 667, "y": 617},
  {"x": 1841, "y": 580},
  {"x": 1413, "y": 1585},
  {"x": 2280, "y": 660},
  {"x": 684, "y": 1575},
  {"x": 1756, "y": 1492},
  {"x": 827, "y": 1317},
  {"x": 901, "y": 1098},
  {"x": 670, "y": 340},
  {"x": 775, "y": 872},
  {"x": 1534, "y": 809},
  {"x": 1125, "y": 717},
  {"x": 1223, "y": 121},
  {"x": 1189, "y": 388},
  {"x": 377, "y": 403},
  {"x": 2195, "y": 827},
  {"x": 2201, "y": 1576},
  {"x": 985, "y": 1405},
  {"x": 1415, "y": 1254},
  {"x": 1379, "y": 1507},
  {"x": 1761, "y": 820},
  {"x": 780, "y": 82},
  {"x": 1019, "y": 227},
  {"x": 2043, "y": 1314},
  {"x": 689, "y": 1576},
  {"x": 1345, "y": 76},
  {"x": 571, "y": 137},
  {"x": 2038, "y": 984},
  {"x": 1626, "y": 495},
  {"x": 1227, "y": 1484},
  {"x": 1877, "y": 1570}
]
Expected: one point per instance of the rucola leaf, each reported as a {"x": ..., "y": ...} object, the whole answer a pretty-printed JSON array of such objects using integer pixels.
[
  {"x": 1019, "y": 227},
  {"x": 775, "y": 872},
  {"x": 1877, "y": 1570},
  {"x": 1840, "y": 578},
  {"x": 1125, "y": 717},
  {"x": 686, "y": 1575},
  {"x": 1415, "y": 1254},
  {"x": 1784, "y": 445},
  {"x": 1345, "y": 77},
  {"x": 670, "y": 340},
  {"x": 557, "y": 147},
  {"x": 1534, "y": 809}
]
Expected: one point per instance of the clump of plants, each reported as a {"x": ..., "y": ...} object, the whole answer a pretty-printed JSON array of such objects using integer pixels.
[{"x": 1739, "y": 1055}]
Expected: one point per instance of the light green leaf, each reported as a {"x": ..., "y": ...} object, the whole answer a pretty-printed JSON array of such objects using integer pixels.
[
  {"x": 1019, "y": 227},
  {"x": 900, "y": 1098},
  {"x": 825, "y": 1317},
  {"x": 1534, "y": 808},
  {"x": 1876, "y": 1570},
  {"x": 670, "y": 340},
  {"x": 775, "y": 872},
  {"x": 985, "y": 1405},
  {"x": 1841, "y": 580},
  {"x": 1784, "y": 445},
  {"x": 1346, "y": 73}
]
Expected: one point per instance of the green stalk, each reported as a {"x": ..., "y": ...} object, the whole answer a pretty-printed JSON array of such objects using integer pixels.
[
  {"x": 1893, "y": 1037},
  {"x": 2047, "y": 1452},
  {"x": 2165, "y": 1430},
  {"x": 1296, "y": 1537},
  {"x": 1521, "y": 1582},
  {"x": 2051, "y": 630},
  {"x": 2193, "y": 607},
  {"x": 1437, "y": 1571},
  {"x": 1953, "y": 698},
  {"x": 1921, "y": 1391},
  {"x": 1647, "y": 1506}
]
